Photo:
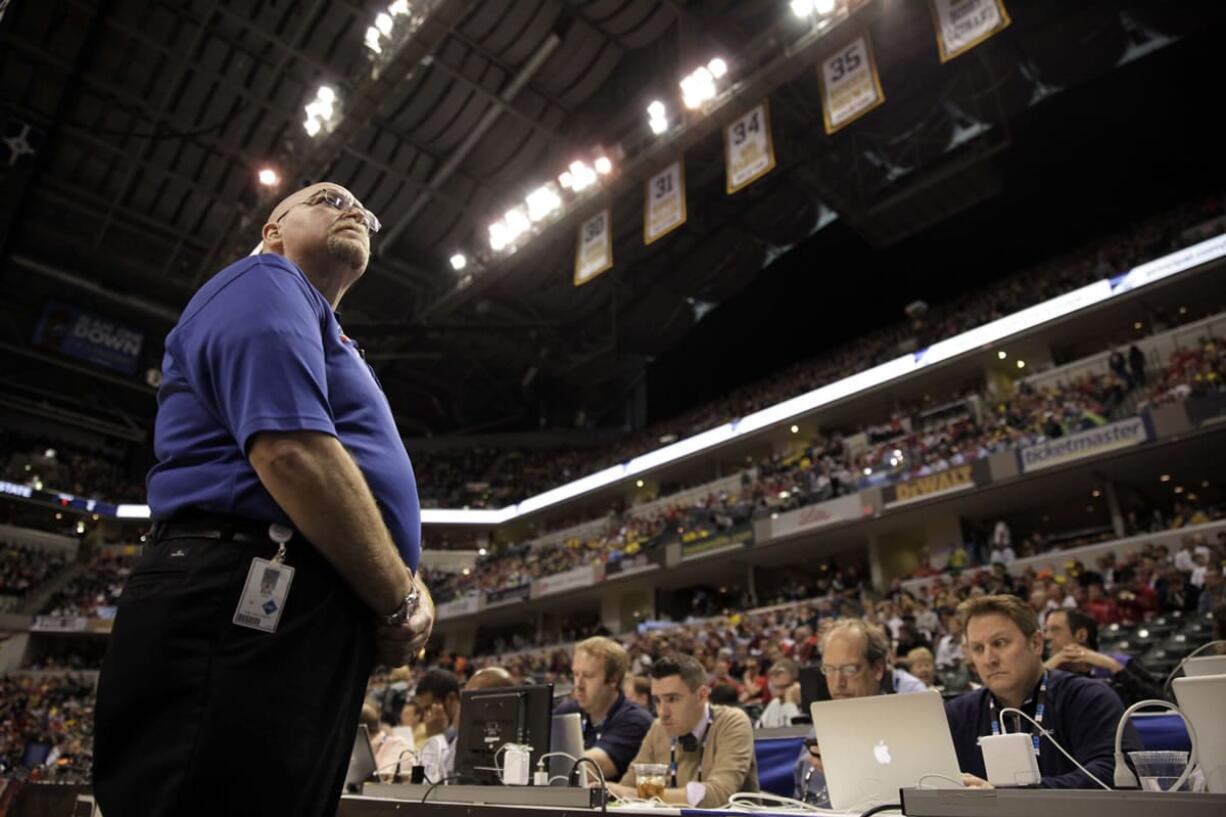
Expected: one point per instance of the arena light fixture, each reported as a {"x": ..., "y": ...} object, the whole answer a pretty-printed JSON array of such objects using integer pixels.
[
  {"x": 542, "y": 203},
  {"x": 399, "y": 8},
  {"x": 372, "y": 40},
  {"x": 459, "y": 261},
  {"x": 567, "y": 180},
  {"x": 320, "y": 111},
  {"x": 603, "y": 165},
  {"x": 1164, "y": 478},
  {"x": 795, "y": 429},
  {"x": 269, "y": 177},
  {"x": 482, "y": 552},
  {"x": 383, "y": 22},
  {"x": 1021, "y": 364},
  {"x": 718, "y": 68},
  {"x": 1002, "y": 354},
  {"x": 657, "y": 117},
  {"x": 582, "y": 176},
  {"x": 517, "y": 222},
  {"x": 698, "y": 88},
  {"x": 500, "y": 236},
  {"x": 638, "y": 483}
]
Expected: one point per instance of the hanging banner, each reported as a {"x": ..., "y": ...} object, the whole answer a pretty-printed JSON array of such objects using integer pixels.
[
  {"x": 747, "y": 148},
  {"x": 594, "y": 251},
  {"x": 963, "y": 24},
  {"x": 97, "y": 340},
  {"x": 849, "y": 83},
  {"x": 664, "y": 202}
]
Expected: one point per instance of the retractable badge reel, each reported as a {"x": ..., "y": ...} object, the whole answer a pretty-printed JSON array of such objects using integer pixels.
[{"x": 267, "y": 586}]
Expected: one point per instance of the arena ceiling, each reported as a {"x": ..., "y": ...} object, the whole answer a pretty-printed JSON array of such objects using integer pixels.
[{"x": 135, "y": 129}]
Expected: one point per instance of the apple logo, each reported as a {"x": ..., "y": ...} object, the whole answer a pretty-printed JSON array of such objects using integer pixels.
[{"x": 882, "y": 753}]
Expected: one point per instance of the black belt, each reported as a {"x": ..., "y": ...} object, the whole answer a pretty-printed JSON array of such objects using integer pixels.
[{"x": 212, "y": 526}]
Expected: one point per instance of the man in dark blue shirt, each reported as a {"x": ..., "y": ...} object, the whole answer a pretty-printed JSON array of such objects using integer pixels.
[
  {"x": 1004, "y": 643},
  {"x": 613, "y": 727},
  {"x": 285, "y": 546}
]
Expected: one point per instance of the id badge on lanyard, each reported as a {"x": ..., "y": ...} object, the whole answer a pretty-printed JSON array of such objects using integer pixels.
[{"x": 267, "y": 587}]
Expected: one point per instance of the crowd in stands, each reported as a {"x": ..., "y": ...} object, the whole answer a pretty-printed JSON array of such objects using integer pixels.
[
  {"x": 516, "y": 475},
  {"x": 95, "y": 591},
  {"x": 825, "y": 468},
  {"x": 46, "y": 727},
  {"x": 54, "y": 466},
  {"x": 23, "y": 568}
]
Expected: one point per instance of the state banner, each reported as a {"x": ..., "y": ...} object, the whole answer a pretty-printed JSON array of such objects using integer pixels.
[
  {"x": 664, "y": 202},
  {"x": 594, "y": 248},
  {"x": 963, "y": 24},
  {"x": 849, "y": 84},
  {"x": 748, "y": 150}
]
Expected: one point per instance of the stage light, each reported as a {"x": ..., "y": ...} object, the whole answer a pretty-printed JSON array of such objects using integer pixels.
[
  {"x": 824, "y": 6},
  {"x": 1002, "y": 354},
  {"x": 603, "y": 165},
  {"x": 325, "y": 94},
  {"x": 657, "y": 117},
  {"x": 795, "y": 429},
  {"x": 717, "y": 67},
  {"x": 320, "y": 110},
  {"x": 398, "y": 8},
  {"x": 312, "y": 127},
  {"x": 638, "y": 483},
  {"x": 458, "y": 261},
  {"x": 269, "y": 177},
  {"x": 567, "y": 180},
  {"x": 1021, "y": 364},
  {"x": 383, "y": 22},
  {"x": 482, "y": 552}
]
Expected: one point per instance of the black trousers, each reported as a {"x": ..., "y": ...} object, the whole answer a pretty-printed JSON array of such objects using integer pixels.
[{"x": 197, "y": 715}]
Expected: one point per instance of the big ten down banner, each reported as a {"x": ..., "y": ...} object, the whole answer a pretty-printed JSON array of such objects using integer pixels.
[
  {"x": 748, "y": 150},
  {"x": 664, "y": 202},
  {"x": 92, "y": 338},
  {"x": 963, "y": 24},
  {"x": 594, "y": 249},
  {"x": 849, "y": 84}
]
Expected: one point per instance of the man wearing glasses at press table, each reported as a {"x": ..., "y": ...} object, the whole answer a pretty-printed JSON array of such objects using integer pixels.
[
  {"x": 285, "y": 548},
  {"x": 854, "y": 664}
]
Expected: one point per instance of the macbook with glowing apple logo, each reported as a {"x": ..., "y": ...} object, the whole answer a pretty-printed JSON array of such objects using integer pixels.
[{"x": 872, "y": 747}]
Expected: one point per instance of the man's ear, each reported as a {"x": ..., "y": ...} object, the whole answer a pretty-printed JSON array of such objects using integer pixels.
[
  {"x": 271, "y": 235},
  {"x": 1082, "y": 636}
]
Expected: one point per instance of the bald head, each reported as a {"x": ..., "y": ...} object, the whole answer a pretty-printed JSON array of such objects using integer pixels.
[
  {"x": 490, "y": 678},
  {"x": 329, "y": 243}
]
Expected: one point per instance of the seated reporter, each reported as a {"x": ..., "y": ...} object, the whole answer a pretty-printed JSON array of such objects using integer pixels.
[
  {"x": 855, "y": 663},
  {"x": 613, "y": 726},
  {"x": 1072, "y": 642},
  {"x": 708, "y": 749},
  {"x": 1005, "y": 644}
]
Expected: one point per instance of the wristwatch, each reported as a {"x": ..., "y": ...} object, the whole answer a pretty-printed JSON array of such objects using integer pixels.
[{"x": 408, "y": 606}]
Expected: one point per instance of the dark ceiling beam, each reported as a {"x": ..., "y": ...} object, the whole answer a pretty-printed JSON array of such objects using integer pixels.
[
  {"x": 170, "y": 96},
  {"x": 96, "y": 290},
  {"x": 491, "y": 115},
  {"x": 90, "y": 203},
  {"x": 367, "y": 95}
]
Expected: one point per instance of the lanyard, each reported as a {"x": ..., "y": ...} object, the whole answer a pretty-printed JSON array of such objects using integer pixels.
[
  {"x": 702, "y": 751},
  {"x": 1039, "y": 709}
]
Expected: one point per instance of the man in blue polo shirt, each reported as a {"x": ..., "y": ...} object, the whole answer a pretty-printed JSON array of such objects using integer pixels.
[
  {"x": 1004, "y": 643},
  {"x": 613, "y": 727},
  {"x": 286, "y": 539}
]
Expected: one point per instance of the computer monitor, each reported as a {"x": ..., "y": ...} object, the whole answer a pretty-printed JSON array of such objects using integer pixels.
[
  {"x": 812, "y": 686},
  {"x": 491, "y": 718}
]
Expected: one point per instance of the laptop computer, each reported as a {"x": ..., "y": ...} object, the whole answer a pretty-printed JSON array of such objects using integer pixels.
[
  {"x": 566, "y": 735},
  {"x": 872, "y": 747},
  {"x": 1200, "y": 699},
  {"x": 361, "y": 760},
  {"x": 1205, "y": 665}
]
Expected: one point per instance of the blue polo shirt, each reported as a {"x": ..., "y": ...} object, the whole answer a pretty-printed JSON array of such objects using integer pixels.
[
  {"x": 259, "y": 349},
  {"x": 1079, "y": 712},
  {"x": 619, "y": 735}
]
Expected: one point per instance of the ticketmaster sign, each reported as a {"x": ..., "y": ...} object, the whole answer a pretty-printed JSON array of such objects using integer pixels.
[{"x": 1124, "y": 434}]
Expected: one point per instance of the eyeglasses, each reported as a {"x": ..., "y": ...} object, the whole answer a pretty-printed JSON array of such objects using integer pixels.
[
  {"x": 341, "y": 202},
  {"x": 846, "y": 670}
]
